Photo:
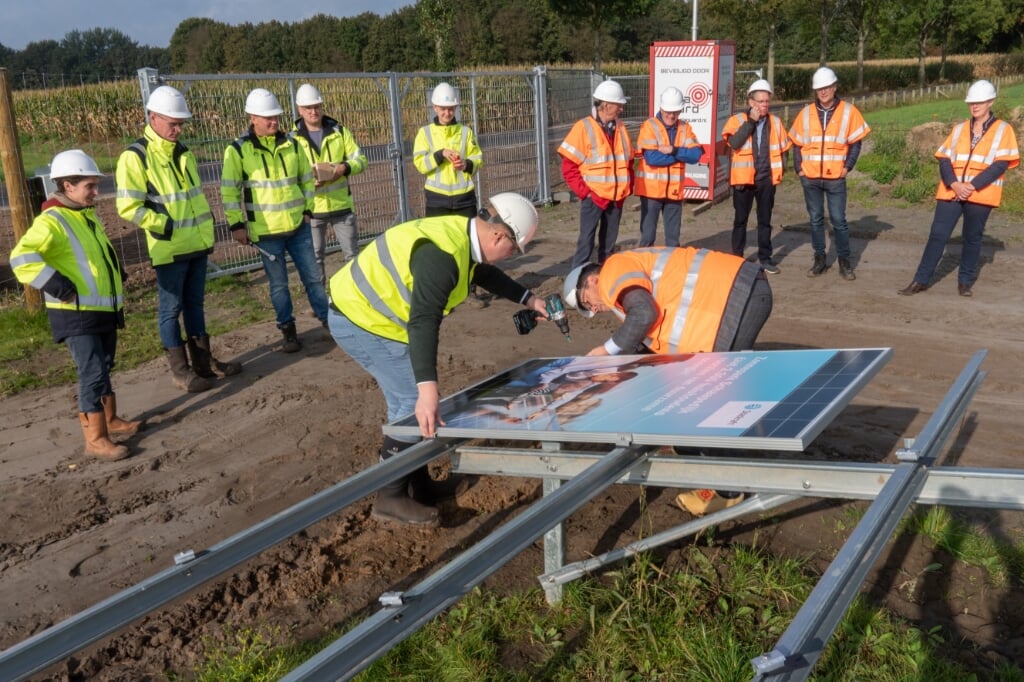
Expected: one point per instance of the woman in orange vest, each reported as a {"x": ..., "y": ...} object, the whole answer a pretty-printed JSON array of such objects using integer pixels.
[
  {"x": 597, "y": 164},
  {"x": 972, "y": 163},
  {"x": 671, "y": 301}
]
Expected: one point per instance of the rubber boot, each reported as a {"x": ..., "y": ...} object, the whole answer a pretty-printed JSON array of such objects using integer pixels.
[
  {"x": 425, "y": 490},
  {"x": 115, "y": 425},
  {"x": 846, "y": 270},
  {"x": 207, "y": 366},
  {"x": 393, "y": 502},
  {"x": 819, "y": 266},
  {"x": 291, "y": 343},
  {"x": 97, "y": 441},
  {"x": 182, "y": 375}
]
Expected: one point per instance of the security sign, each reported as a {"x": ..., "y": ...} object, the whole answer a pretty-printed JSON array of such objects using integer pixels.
[{"x": 704, "y": 71}]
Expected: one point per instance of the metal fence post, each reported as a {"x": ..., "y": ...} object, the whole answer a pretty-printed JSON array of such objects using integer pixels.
[
  {"x": 396, "y": 150},
  {"x": 540, "y": 112}
]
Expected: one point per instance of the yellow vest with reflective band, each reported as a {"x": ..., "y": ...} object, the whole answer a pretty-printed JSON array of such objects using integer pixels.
[
  {"x": 690, "y": 286},
  {"x": 661, "y": 182},
  {"x": 374, "y": 290},
  {"x": 444, "y": 179},
  {"x": 742, "y": 171},
  {"x": 603, "y": 167},
  {"x": 336, "y": 146},
  {"x": 999, "y": 143},
  {"x": 824, "y": 151},
  {"x": 267, "y": 183},
  {"x": 73, "y": 243},
  {"x": 159, "y": 189}
]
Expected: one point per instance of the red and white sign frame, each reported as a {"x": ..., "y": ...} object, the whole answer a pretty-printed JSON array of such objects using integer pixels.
[{"x": 705, "y": 72}]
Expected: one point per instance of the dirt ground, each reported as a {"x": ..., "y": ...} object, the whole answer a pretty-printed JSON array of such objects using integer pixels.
[{"x": 212, "y": 464}]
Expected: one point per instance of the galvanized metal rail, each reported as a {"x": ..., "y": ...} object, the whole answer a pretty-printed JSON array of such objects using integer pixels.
[{"x": 192, "y": 569}]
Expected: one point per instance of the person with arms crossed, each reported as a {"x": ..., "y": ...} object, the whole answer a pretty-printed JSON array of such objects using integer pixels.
[{"x": 666, "y": 144}]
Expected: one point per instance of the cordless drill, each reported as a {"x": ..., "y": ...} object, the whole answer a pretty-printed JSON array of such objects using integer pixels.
[{"x": 526, "y": 319}]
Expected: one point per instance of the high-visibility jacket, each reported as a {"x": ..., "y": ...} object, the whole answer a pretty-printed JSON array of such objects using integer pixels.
[
  {"x": 443, "y": 178},
  {"x": 66, "y": 253},
  {"x": 336, "y": 146},
  {"x": 604, "y": 165},
  {"x": 661, "y": 182},
  {"x": 266, "y": 184},
  {"x": 999, "y": 143},
  {"x": 742, "y": 170},
  {"x": 374, "y": 289},
  {"x": 823, "y": 152},
  {"x": 159, "y": 189},
  {"x": 690, "y": 286}
]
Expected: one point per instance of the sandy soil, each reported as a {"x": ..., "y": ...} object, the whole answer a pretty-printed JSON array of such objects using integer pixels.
[{"x": 212, "y": 464}]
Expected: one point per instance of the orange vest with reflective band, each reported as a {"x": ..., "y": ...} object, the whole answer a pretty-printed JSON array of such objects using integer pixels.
[
  {"x": 662, "y": 182},
  {"x": 999, "y": 143},
  {"x": 824, "y": 151},
  {"x": 742, "y": 171},
  {"x": 603, "y": 165},
  {"x": 691, "y": 287}
]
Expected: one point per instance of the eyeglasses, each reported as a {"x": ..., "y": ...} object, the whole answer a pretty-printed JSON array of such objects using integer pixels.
[
  {"x": 170, "y": 122},
  {"x": 760, "y": 101},
  {"x": 510, "y": 237}
]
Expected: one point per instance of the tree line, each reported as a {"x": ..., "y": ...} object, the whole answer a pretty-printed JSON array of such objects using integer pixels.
[{"x": 449, "y": 34}]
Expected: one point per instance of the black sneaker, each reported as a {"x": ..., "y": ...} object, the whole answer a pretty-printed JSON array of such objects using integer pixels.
[{"x": 770, "y": 267}]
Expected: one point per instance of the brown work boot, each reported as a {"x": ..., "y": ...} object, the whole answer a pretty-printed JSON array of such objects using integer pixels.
[
  {"x": 705, "y": 501},
  {"x": 97, "y": 441},
  {"x": 846, "y": 270},
  {"x": 115, "y": 425},
  {"x": 182, "y": 375},
  {"x": 205, "y": 364},
  {"x": 394, "y": 504}
]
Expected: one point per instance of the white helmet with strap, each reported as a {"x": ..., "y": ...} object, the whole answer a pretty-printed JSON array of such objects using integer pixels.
[
  {"x": 570, "y": 289},
  {"x": 73, "y": 162},
  {"x": 519, "y": 214}
]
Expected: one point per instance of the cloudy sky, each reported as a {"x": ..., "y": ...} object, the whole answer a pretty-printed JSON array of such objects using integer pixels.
[{"x": 152, "y": 23}]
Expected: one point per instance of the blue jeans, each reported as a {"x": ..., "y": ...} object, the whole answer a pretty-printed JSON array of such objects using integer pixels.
[
  {"x": 94, "y": 357},
  {"x": 604, "y": 223},
  {"x": 816, "y": 192},
  {"x": 672, "y": 212},
  {"x": 387, "y": 362},
  {"x": 947, "y": 214},
  {"x": 181, "y": 288},
  {"x": 299, "y": 245}
]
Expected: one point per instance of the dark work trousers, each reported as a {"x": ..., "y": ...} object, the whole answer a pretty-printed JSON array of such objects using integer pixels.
[
  {"x": 947, "y": 214},
  {"x": 602, "y": 222},
  {"x": 743, "y": 198}
]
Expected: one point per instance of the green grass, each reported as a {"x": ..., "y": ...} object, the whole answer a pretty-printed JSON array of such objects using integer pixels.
[
  {"x": 944, "y": 111},
  {"x": 30, "y": 359},
  {"x": 705, "y": 619}
]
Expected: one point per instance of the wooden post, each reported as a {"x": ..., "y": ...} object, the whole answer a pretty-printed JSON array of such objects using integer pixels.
[{"x": 14, "y": 174}]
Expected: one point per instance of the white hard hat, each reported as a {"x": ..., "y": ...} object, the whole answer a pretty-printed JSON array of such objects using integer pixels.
[
  {"x": 570, "y": 290},
  {"x": 307, "y": 95},
  {"x": 823, "y": 78},
  {"x": 261, "y": 102},
  {"x": 672, "y": 100},
  {"x": 169, "y": 102},
  {"x": 610, "y": 91},
  {"x": 760, "y": 85},
  {"x": 444, "y": 96},
  {"x": 73, "y": 162},
  {"x": 518, "y": 213},
  {"x": 980, "y": 91}
]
